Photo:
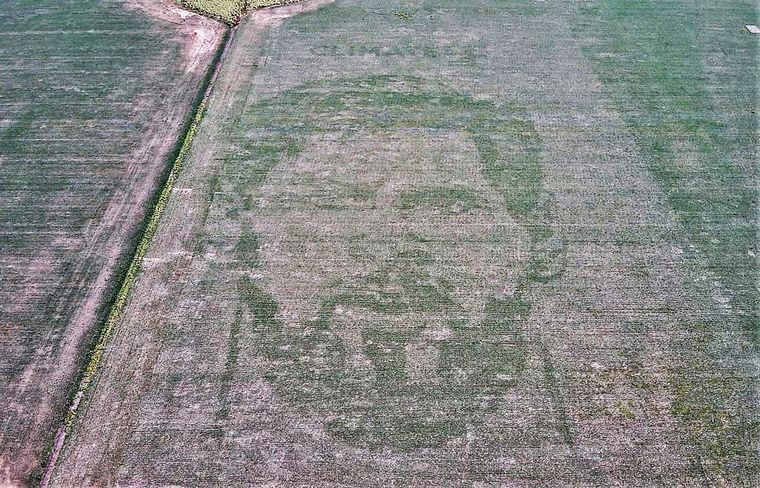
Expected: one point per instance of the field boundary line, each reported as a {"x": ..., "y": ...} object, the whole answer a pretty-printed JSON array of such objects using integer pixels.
[{"x": 158, "y": 205}]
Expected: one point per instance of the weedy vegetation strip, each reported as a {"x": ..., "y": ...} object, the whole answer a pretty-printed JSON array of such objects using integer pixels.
[{"x": 130, "y": 277}]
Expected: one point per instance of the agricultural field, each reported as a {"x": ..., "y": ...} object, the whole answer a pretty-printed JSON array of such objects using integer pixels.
[
  {"x": 439, "y": 243},
  {"x": 93, "y": 98}
]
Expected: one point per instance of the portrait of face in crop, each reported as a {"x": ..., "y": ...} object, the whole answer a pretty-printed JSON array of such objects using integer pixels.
[{"x": 393, "y": 265}]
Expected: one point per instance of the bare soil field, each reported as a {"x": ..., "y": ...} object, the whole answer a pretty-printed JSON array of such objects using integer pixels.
[
  {"x": 438, "y": 243},
  {"x": 94, "y": 97}
]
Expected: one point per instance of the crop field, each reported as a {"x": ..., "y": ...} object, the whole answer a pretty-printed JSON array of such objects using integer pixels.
[
  {"x": 93, "y": 96},
  {"x": 444, "y": 243}
]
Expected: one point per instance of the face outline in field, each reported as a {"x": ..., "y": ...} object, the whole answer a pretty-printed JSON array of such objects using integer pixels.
[{"x": 399, "y": 266}]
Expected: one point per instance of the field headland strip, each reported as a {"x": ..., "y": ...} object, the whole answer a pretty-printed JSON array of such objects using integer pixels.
[{"x": 158, "y": 205}]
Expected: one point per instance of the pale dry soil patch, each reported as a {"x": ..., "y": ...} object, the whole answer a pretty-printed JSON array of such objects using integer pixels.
[{"x": 201, "y": 35}]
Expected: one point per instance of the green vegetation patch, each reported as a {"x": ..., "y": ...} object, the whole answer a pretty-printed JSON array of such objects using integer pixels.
[{"x": 229, "y": 11}]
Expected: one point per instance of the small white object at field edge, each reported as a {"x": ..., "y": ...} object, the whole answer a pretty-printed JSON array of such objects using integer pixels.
[{"x": 753, "y": 29}]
